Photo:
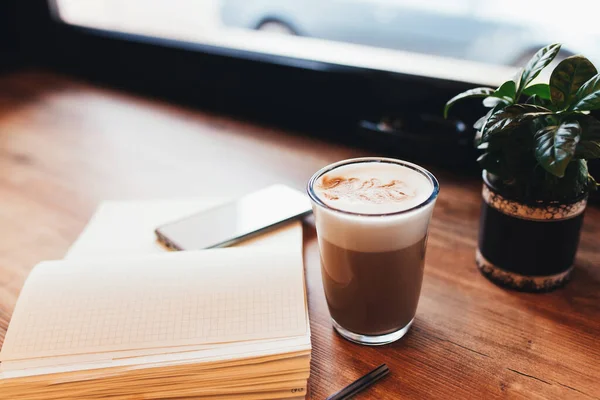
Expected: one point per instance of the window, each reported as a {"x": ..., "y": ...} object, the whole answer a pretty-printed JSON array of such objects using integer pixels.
[
  {"x": 354, "y": 67},
  {"x": 438, "y": 38}
]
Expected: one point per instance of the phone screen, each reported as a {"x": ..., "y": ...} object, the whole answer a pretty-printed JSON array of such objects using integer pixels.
[{"x": 231, "y": 222}]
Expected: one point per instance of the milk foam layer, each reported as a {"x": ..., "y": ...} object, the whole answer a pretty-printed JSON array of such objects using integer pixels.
[
  {"x": 373, "y": 188},
  {"x": 373, "y": 233}
]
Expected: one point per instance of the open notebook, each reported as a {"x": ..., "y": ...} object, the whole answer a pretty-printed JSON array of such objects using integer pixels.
[{"x": 224, "y": 323}]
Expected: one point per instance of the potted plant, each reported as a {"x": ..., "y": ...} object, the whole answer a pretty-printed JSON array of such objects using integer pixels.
[{"x": 535, "y": 142}]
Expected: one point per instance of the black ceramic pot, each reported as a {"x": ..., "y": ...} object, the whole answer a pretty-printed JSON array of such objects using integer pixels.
[{"x": 527, "y": 247}]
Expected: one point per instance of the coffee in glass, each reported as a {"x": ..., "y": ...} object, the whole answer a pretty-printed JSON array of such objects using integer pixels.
[{"x": 372, "y": 217}]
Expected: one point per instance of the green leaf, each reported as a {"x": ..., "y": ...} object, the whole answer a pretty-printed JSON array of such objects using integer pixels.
[
  {"x": 589, "y": 103},
  {"x": 492, "y": 101},
  {"x": 506, "y": 90},
  {"x": 538, "y": 101},
  {"x": 535, "y": 100},
  {"x": 538, "y": 62},
  {"x": 511, "y": 117},
  {"x": 566, "y": 79},
  {"x": 499, "y": 107},
  {"x": 555, "y": 146},
  {"x": 477, "y": 92},
  {"x": 587, "y": 97},
  {"x": 527, "y": 109},
  {"x": 541, "y": 90},
  {"x": 479, "y": 123},
  {"x": 589, "y": 145},
  {"x": 517, "y": 76},
  {"x": 504, "y": 94}
]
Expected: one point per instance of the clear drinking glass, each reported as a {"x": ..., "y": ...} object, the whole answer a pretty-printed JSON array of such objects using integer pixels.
[{"x": 372, "y": 264}]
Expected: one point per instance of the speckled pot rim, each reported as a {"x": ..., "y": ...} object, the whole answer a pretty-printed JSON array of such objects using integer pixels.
[
  {"x": 543, "y": 212},
  {"x": 520, "y": 282}
]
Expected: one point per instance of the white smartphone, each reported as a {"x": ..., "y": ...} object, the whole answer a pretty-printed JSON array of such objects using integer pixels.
[{"x": 232, "y": 222}]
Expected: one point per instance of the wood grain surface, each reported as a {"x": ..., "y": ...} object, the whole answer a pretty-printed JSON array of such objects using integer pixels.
[{"x": 66, "y": 145}]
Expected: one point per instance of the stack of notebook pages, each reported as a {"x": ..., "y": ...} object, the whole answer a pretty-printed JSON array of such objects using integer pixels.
[{"x": 214, "y": 324}]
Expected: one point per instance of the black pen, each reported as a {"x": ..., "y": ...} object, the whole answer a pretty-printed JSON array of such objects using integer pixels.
[{"x": 361, "y": 383}]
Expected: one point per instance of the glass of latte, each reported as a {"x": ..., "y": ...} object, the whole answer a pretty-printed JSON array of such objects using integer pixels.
[{"x": 372, "y": 217}]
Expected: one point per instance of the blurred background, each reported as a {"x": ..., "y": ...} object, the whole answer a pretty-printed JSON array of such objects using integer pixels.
[
  {"x": 497, "y": 32},
  {"x": 370, "y": 73}
]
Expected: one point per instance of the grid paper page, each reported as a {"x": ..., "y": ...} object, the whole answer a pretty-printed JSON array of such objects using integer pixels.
[{"x": 175, "y": 299}]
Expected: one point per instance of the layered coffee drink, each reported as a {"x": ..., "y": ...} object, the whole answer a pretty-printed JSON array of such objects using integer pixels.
[{"x": 372, "y": 217}]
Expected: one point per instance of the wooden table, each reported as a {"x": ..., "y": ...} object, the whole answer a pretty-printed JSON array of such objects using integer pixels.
[{"x": 65, "y": 146}]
